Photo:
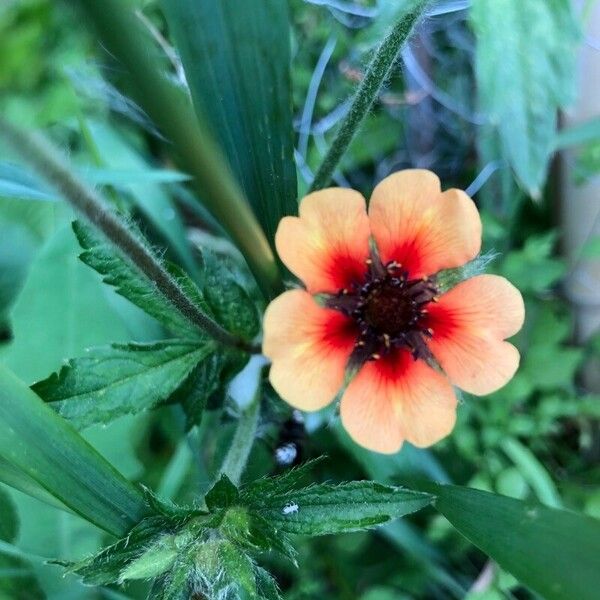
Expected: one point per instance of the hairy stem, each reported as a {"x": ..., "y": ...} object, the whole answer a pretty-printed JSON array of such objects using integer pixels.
[
  {"x": 237, "y": 456},
  {"x": 377, "y": 72},
  {"x": 48, "y": 162}
]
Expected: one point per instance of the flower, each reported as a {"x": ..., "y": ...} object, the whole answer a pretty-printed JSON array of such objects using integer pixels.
[{"x": 379, "y": 316}]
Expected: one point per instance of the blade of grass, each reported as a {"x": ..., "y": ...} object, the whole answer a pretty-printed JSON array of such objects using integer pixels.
[
  {"x": 121, "y": 33},
  {"x": 34, "y": 439}
]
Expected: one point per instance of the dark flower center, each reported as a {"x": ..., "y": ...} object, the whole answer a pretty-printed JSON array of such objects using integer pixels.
[{"x": 389, "y": 310}]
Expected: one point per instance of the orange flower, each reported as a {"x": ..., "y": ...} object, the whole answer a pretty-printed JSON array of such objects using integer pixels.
[{"x": 380, "y": 315}]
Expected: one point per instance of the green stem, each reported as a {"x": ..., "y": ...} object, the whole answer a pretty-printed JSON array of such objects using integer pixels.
[
  {"x": 47, "y": 160},
  {"x": 170, "y": 108},
  {"x": 243, "y": 439},
  {"x": 377, "y": 72}
]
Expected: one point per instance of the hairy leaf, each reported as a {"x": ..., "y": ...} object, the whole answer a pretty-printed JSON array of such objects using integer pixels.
[
  {"x": 121, "y": 379},
  {"x": 107, "y": 566},
  {"x": 324, "y": 508},
  {"x": 525, "y": 72},
  {"x": 246, "y": 98},
  {"x": 228, "y": 300},
  {"x": 555, "y": 552},
  {"x": 129, "y": 282}
]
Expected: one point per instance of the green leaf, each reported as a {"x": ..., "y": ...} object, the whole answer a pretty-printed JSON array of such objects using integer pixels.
[
  {"x": 230, "y": 304},
  {"x": 579, "y": 134},
  {"x": 246, "y": 98},
  {"x": 207, "y": 378},
  {"x": 554, "y": 552},
  {"x": 16, "y": 183},
  {"x": 121, "y": 379},
  {"x": 108, "y": 565},
  {"x": 63, "y": 309},
  {"x": 9, "y": 522},
  {"x": 36, "y": 440},
  {"x": 533, "y": 471},
  {"x": 525, "y": 68},
  {"x": 128, "y": 281},
  {"x": 222, "y": 495},
  {"x": 17, "y": 580},
  {"x": 324, "y": 508}
]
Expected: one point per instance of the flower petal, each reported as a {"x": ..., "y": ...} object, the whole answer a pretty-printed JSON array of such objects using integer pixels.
[
  {"x": 309, "y": 347},
  {"x": 420, "y": 227},
  {"x": 469, "y": 325},
  {"x": 397, "y": 398},
  {"x": 327, "y": 245}
]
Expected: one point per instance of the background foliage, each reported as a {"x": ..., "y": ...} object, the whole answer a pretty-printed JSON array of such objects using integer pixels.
[{"x": 484, "y": 124}]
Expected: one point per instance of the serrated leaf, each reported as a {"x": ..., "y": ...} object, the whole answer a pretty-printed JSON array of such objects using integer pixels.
[
  {"x": 323, "y": 509},
  {"x": 238, "y": 568},
  {"x": 525, "y": 67},
  {"x": 246, "y": 98},
  {"x": 265, "y": 585},
  {"x": 222, "y": 495},
  {"x": 129, "y": 282},
  {"x": 207, "y": 378},
  {"x": 121, "y": 379},
  {"x": 229, "y": 302},
  {"x": 107, "y": 566},
  {"x": 555, "y": 552}
]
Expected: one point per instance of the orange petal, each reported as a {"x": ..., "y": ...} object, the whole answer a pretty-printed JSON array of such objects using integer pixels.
[
  {"x": 469, "y": 325},
  {"x": 309, "y": 347},
  {"x": 397, "y": 398},
  {"x": 327, "y": 245},
  {"x": 420, "y": 227}
]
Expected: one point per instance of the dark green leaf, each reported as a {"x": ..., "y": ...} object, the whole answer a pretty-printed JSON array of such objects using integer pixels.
[
  {"x": 36, "y": 440},
  {"x": 121, "y": 379},
  {"x": 325, "y": 508},
  {"x": 237, "y": 62},
  {"x": 9, "y": 521},
  {"x": 17, "y": 580},
  {"x": 228, "y": 300},
  {"x": 525, "y": 73},
  {"x": 222, "y": 495},
  {"x": 128, "y": 281},
  {"x": 554, "y": 552},
  {"x": 208, "y": 377}
]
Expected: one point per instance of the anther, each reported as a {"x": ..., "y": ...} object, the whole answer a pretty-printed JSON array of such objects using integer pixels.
[
  {"x": 386, "y": 340},
  {"x": 368, "y": 261},
  {"x": 375, "y": 356},
  {"x": 435, "y": 299}
]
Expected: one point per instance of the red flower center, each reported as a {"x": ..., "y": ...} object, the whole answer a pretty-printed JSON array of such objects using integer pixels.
[{"x": 389, "y": 310}]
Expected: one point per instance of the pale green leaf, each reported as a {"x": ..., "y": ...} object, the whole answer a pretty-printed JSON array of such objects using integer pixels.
[
  {"x": 63, "y": 309},
  {"x": 525, "y": 67}
]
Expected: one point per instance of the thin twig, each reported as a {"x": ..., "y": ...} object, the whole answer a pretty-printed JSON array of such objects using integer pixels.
[{"x": 48, "y": 161}]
